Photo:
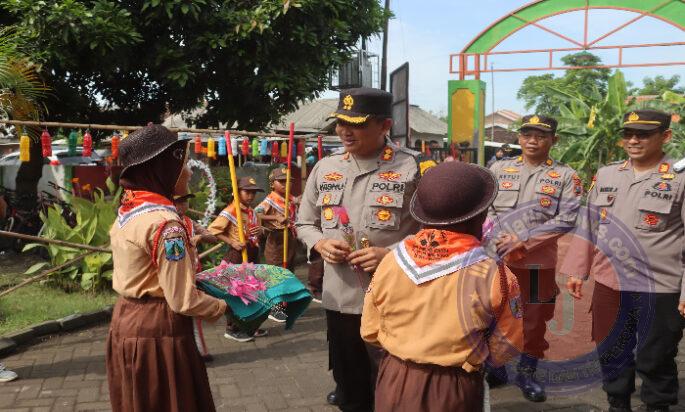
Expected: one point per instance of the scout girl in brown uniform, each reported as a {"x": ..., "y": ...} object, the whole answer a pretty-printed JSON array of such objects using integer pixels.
[
  {"x": 414, "y": 307},
  {"x": 271, "y": 213},
  {"x": 152, "y": 362}
]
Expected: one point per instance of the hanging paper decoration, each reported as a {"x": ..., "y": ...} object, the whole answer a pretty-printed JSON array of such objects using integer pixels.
[
  {"x": 87, "y": 144},
  {"x": 319, "y": 143},
  {"x": 115, "y": 146},
  {"x": 274, "y": 151},
  {"x": 423, "y": 146},
  {"x": 24, "y": 147},
  {"x": 72, "y": 141},
  {"x": 222, "y": 147},
  {"x": 198, "y": 144},
  {"x": 300, "y": 148},
  {"x": 428, "y": 151},
  {"x": 46, "y": 143},
  {"x": 284, "y": 149},
  {"x": 245, "y": 147},
  {"x": 255, "y": 148},
  {"x": 211, "y": 149}
]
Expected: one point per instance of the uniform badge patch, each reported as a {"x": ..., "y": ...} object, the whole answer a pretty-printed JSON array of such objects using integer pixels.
[
  {"x": 326, "y": 199},
  {"x": 507, "y": 185},
  {"x": 384, "y": 215},
  {"x": 174, "y": 249},
  {"x": 333, "y": 177},
  {"x": 668, "y": 176},
  {"x": 510, "y": 170},
  {"x": 328, "y": 213},
  {"x": 664, "y": 168},
  {"x": 603, "y": 214},
  {"x": 389, "y": 176},
  {"x": 549, "y": 162},
  {"x": 651, "y": 219},
  {"x": 577, "y": 185},
  {"x": 384, "y": 200},
  {"x": 548, "y": 190},
  {"x": 516, "y": 307},
  {"x": 662, "y": 186},
  {"x": 553, "y": 174},
  {"x": 388, "y": 154},
  {"x": 545, "y": 202}
]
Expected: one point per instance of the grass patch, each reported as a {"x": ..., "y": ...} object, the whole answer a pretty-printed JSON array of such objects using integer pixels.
[{"x": 37, "y": 303}]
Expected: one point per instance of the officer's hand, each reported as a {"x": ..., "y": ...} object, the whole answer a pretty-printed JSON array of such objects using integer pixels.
[
  {"x": 237, "y": 245},
  {"x": 509, "y": 244},
  {"x": 332, "y": 251},
  {"x": 575, "y": 287},
  {"x": 368, "y": 258},
  {"x": 255, "y": 231},
  {"x": 681, "y": 309}
]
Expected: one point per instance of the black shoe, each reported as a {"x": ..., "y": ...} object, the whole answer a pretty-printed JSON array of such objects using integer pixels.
[
  {"x": 497, "y": 377},
  {"x": 619, "y": 404},
  {"x": 332, "y": 398},
  {"x": 530, "y": 388}
]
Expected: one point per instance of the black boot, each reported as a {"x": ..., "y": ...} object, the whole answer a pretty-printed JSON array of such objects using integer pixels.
[
  {"x": 619, "y": 404},
  {"x": 496, "y": 377},
  {"x": 530, "y": 387}
]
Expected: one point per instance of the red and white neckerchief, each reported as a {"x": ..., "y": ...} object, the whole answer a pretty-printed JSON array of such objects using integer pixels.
[
  {"x": 252, "y": 221},
  {"x": 434, "y": 253},
  {"x": 137, "y": 202}
]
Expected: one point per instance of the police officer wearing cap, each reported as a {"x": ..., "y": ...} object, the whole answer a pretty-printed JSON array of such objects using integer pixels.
[
  {"x": 640, "y": 313},
  {"x": 537, "y": 202},
  {"x": 354, "y": 208}
]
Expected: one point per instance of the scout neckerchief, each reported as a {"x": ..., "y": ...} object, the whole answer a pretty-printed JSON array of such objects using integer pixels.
[
  {"x": 138, "y": 202},
  {"x": 278, "y": 203},
  {"x": 434, "y": 253},
  {"x": 229, "y": 213}
]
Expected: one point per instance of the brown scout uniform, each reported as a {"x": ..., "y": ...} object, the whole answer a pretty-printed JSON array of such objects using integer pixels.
[
  {"x": 539, "y": 205},
  {"x": 376, "y": 194}
]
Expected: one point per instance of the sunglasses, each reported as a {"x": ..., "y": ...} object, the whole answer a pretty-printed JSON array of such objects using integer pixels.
[{"x": 640, "y": 135}]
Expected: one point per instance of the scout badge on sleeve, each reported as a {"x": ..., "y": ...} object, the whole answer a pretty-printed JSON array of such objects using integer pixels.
[{"x": 174, "y": 249}]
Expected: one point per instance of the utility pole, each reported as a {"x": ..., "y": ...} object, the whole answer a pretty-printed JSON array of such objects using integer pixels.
[{"x": 384, "y": 58}]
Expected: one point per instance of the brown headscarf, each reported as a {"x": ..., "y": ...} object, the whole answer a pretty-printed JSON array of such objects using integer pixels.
[{"x": 159, "y": 174}]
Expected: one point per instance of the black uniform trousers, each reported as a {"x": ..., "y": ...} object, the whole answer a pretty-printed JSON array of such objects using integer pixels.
[
  {"x": 650, "y": 322},
  {"x": 354, "y": 363}
]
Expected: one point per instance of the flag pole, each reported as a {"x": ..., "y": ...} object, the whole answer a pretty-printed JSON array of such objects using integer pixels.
[
  {"x": 236, "y": 194},
  {"x": 286, "y": 210}
]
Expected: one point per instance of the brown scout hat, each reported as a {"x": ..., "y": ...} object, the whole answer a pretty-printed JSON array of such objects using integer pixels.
[
  {"x": 146, "y": 143},
  {"x": 279, "y": 173},
  {"x": 539, "y": 122},
  {"x": 646, "y": 120},
  {"x": 248, "y": 183},
  {"x": 358, "y": 105},
  {"x": 453, "y": 192}
]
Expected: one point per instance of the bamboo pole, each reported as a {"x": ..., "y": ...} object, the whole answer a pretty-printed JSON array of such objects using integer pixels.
[
  {"x": 123, "y": 127},
  {"x": 286, "y": 209},
  {"x": 210, "y": 250},
  {"x": 236, "y": 194},
  {"x": 54, "y": 241},
  {"x": 46, "y": 273}
]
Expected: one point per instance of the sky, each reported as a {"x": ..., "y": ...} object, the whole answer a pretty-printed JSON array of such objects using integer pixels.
[{"x": 425, "y": 32}]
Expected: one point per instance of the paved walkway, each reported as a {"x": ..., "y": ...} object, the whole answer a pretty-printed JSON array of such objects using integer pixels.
[{"x": 284, "y": 371}]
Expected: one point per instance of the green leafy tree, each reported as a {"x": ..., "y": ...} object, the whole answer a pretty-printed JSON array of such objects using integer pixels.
[
  {"x": 247, "y": 61},
  {"x": 540, "y": 92},
  {"x": 658, "y": 85}
]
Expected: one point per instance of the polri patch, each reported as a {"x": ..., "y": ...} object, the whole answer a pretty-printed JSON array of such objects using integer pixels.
[
  {"x": 333, "y": 177},
  {"x": 662, "y": 186},
  {"x": 389, "y": 176},
  {"x": 545, "y": 202},
  {"x": 174, "y": 249}
]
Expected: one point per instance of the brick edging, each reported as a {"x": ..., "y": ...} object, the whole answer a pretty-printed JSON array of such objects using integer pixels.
[{"x": 27, "y": 336}]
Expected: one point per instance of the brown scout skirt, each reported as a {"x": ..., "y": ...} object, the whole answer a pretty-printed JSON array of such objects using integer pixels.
[
  {"x": 273, "y": 249},
  {"x": 404, "y": 386},
  {"x": 152, "y": 361}
]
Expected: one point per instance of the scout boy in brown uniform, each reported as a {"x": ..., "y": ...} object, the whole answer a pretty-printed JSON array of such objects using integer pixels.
[
  {"x": 271, "y": 212},
  {"x": 416, "y": 303},
  {"x": 639, "y": 310},
  {"x": 354, "y": 209},
  {"x": 537, "y": 202}
]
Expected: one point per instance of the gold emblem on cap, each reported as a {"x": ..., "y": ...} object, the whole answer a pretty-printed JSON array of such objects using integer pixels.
[
  {"x": 348, "y": 102},
  {"x": 534, "y": 120},
  {"x": 252, "y": 181},
  {"x": 633, "y": 117},
  {"x": 284, "y": 170}
]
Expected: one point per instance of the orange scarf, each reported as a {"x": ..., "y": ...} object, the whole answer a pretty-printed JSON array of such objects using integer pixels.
[{"x": 137, "y": 202}]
